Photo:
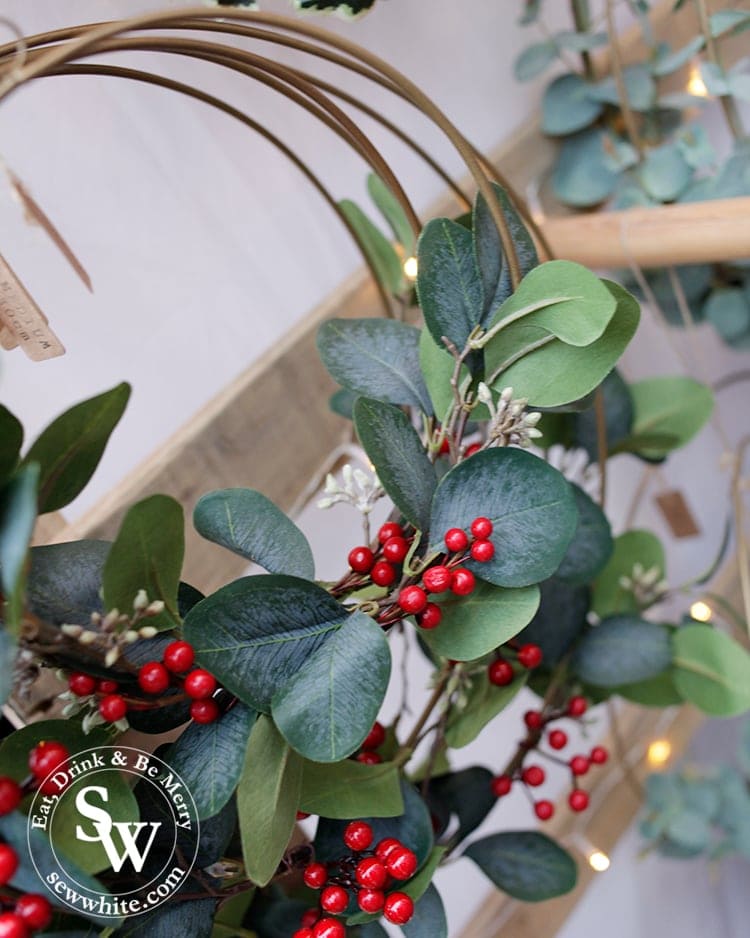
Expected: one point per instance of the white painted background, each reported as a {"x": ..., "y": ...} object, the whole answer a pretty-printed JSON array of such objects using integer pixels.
[{"x": 205, "y": 247}]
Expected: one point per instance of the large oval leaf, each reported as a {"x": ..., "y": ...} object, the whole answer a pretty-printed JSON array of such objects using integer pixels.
[
  {"x": 11, "y": 439},
  {"x": 529, "y": 503},
  {"x": 560, "y": 619},
  {"x": 618, "y": 410},
  {"x": 583, "y": 175},
  {"x": 567, "y": 105},
  {"x": 592, "y": 544},
  {"x": 711, "y": 670},
  {"x": 622, "y": 650},
  {"x": 64, "y": 581},
  {"x": 672, "y": 408},
  {"x": 249, "y": 524},
  {"x": 256, "y": 633},
  {"x": 18, "y": 507},
  {"x": 376, "y": 246},
  {"x": 429, "y": 919},
  {"x": 328, "y": 707},
  {"x": 631, "y": 548},
  {"x": 351, "y": 789},
  {"x": 525, "y": 864},
  {"x": 483, "y": 703}
]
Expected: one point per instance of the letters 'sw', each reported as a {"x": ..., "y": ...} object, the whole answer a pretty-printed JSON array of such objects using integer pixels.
[{"x": 129, "y": 831}]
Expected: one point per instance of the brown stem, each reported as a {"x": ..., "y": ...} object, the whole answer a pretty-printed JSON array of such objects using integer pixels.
[
  {"x": 582, "y": 23},
  {"x": 728, "y": 104},
  {"x": 405, "y": 752},
  {"x": 601, "y": 443},
  {"x": 628, "y": 115}
]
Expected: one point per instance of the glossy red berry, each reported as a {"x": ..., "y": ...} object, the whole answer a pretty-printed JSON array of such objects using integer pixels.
[
  {"x": 200, "y": 684},
  {"x": 401, "y": 863},
  {"x": 395, "y": 549},
  {"x": 383, "y": 573},
  {"x": 398, "y": 908},
  {"x": 558, "y": 739},
  {"x": 462, "y": 582},
  {"x": 501, "y": 785},
  {"x": 530, "y": 656},
  {"x": 13, "y": 926},
  {"x": 579, "y": 765},
  {"x": 304, "y": 932},
  {"x": 361, "y": 559},
  {"x": 10, "y": 795},
  {"x": 315, "y": 875},
  {"x": 35, "y": 910},
  {"x": 204, "y": 711},
  {"x": 388, "y": 530},
  {"x": 47, "y": 756},
  {"x": 482, "y": 551},
  {"x": 329, "y": 928},
  {"x": 544, "y": 810},
  {"x": 437, "y": 579},
  {"x": 577, "y": 706},
  {"x": 533, "y": 775},
  {"x": 385, "y": 848},
  {"x": 431, "y": 616},
  {"x": 533, "y": 719},
  {"x": 445, "y": 447},
  {"x": 153, "y": 678},
  {"x": 309, "y": 917},
  {"x": 301, "y": 815},
  {"x": 8, "y": 863},
  {"x": 178, "y": 657},
  {"x": 598, "y": 755},
  {"x": 456, "y": 540},
  {"x": 106, "y": 686},
  {"x": 371, "y": 873},
  {"x": 578, "y": 800},
  {"x": 481, "y": 528},
  {"x": 113, "y": 707},
  {"x": 358, "y": 835},
  {"x": 367, "y": 757},
  {"x": 371, "y": 900},
  {"x": 471, "y": 449},
  {"x": 82, "y": 684},
  {"x": 412, "y": 599},
  {"x": 500, "y": 673},
  {"x": 375, "y": 738},
  {"x": 334, "y": 899}
]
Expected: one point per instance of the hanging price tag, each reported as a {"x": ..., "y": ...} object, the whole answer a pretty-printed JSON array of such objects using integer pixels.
[
  {"x": 22, "y": 322},
  {"x": 677, "y": 514}
]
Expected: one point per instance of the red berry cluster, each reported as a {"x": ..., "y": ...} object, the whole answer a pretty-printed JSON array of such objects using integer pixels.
[
  {"x": 373, "y": 741},
  {"x": 532, "y": 776},
  {"x": 500, "y": 672},
  {"x": 383, "y": 564},
  {"x": 30, "y": 912},
  {"x": 366, "y": 872}
]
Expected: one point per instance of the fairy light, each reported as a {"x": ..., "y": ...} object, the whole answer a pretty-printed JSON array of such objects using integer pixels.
[
  {"x": 696, "y": 86},
  {"x": 659, "y": 752},
  {"x": 411, "y": 268},
  {"x": 598, "y": 861},
  {"x": 700, "y": 611}
]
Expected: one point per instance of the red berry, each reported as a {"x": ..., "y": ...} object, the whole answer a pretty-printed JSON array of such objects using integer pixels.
[
  {"x": 315, "y": 875},
  {"x": 544, "y": 810},
  {"x": 178, "y": 657},
  {"x": 334, "y": 899},
  {"x": 462, "y": 582},
  {"x": 361, "y": 559},
  {"x": 10, "y": 795},
  {"x": 8, "y": 863},
  {"x": 401, "y": 863},
  {"x": 204, "y": 711},
  {"x": 445, "y": 447},
  {"x": 398, "y": 908},
  {"x": 482, "y": 551},
  {"x": 471, "y": 449},
  {"x": 558, "y": 739},
  {"x": 309, "y": 918},
  {"x": 35, "y": 910},
  {"x": 412, "y": 599},
  {"x": 358, "y": 835},
  {"x": 500, "y": 673},
  {"x": 481, "y": 527},
  {"x": 375, "y": 738},
  {"x": 82, "y": 684},
  {"x": 579, "y": 765},
  {"x": 304, "y": 932},
  {"x": 577, "y": 706},
  {"x": 369, "y": 758},
  {"x": 578, "y": 800},
  {"x": 385, "y": 847},
  {"x": 106, "y": 687},
  {"x": 388, "y": 530},
  {"x": 329, "y": 928},
  {"x": 533, "y": 775},
  {"x": 153, "y": 678},
  {"x": 530, "y": 656},
  {"x": 47, "y": 756},
  {"x": 501, "y": 785},
  {"x": 200, "y": 684},
  {"x": 437, "y": 579},
  {"x": 383, "y": 573},
  {"x": 113, "y": 707},
  {"x": 13, "y": 926},
  {"x": 395, "y": 549},
  {"x": 598, "y": 755},
  {"x": 371, "y": 873},
  {"x": 431, "y": 616},
  {"x": 533, "y": 719},
  {"x": 456, "y": 540},
  {"x": 301, "y": 815},
  {"x": 370, "y": 900}
]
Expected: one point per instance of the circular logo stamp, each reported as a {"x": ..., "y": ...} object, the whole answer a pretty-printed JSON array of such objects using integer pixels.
[{"x": 119, "y": 810}]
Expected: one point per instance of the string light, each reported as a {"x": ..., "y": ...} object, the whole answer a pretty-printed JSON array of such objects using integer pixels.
[
  {"x": 598, "y": 861},
  {"x": 411, "y": 268},
  {"x": 659, "y": 752},
  {"x": 700, "y": 611},
  {"x": 696, "y": 86}
]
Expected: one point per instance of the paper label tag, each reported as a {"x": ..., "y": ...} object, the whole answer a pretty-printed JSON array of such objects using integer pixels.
[
  {"x": 677, "y": 514},
  {"x": 21, "y": 317}
]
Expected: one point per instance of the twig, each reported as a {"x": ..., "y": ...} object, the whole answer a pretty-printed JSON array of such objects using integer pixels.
[
  {"x": 618, "y": 74},
  {"x": 728, "y": 104}
]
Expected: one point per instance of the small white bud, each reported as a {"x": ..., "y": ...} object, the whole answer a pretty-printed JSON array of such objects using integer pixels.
[
  {"x": 87, "y": 638},
  {"x": 112, "y": 655},
  {"x": 533, "y": 434},
  {"x": 130, "y": 636},
  {"x": 484, "y": 394},
  {"x": 325, "y": 502},
  {"x": 331, "y": 485},
  {"x": 625, "y": 582},
  {"x": 148, "y": 631},
  {"x": 122, "y": 725},
  {"x": 532, "y": 419},
  {"x": 110, "y": 619},
  {"x": 141, "y": 601},
  {"x": 347, "y": 472},
  {"x": 96, "y": 618},
  {"x": 506, "y": 394},
  {"x": 72, "y": 630},
  {"x": 155, "y": 607}
]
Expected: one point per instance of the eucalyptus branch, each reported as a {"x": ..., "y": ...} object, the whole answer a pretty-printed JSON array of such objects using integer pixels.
[
  {"x": 406, "y": 750},
  {"x": 728, "y": 104},
  {"x": 582, "y": 21},
  {"x": 628, "y": 115}
]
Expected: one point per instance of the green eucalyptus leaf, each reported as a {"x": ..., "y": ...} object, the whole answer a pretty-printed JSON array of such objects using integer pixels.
[
  {"x": 728, "y": 310},
  {"x": 743, "y": 750},
  {"x": 147, "y": 554},
  {"x": 631, "y": 548},
  {"x": 689, "y": 830},
  {"x": 696, "y": 147},
  {"x": 639, "y": 86},
  {"x": 377, "y": 247},
  {"x": 665, "y": 173},
  {"x": 618, "y": 411},
  {"x": 256, "y": 633},
  {"x": 473, "y": 626},
  {"x": 11, "y": 440},
  {"x": 484, "y": 702},
  {"x": 711, "y": 670},
  {"x": 249, "y": 524},
  {"x": 525, "y": 864},
  {"x": 560, "y": 619},
  {"x": 676, "y": 407},
  {"x": 658, "y": 691},
  {"x": 18, "y": 509},
  {"x": 342, "y": 401},
  {"x": 622, "y": 650},
  {"x": 65, "y": 580},
  {"x": 714, "y": 78},
  {"x": 534, "y": 60},
  {"x": 437, "y": 367},
  {"x": 375, "y": 357},
  {"x": 530, "y": 504},
  {"x": 70, "y": 448},
  {"x": 392, "y": 211},
  {"x": 429, "y": 919},
  {"x": 584, "y": 175},
  {"x": 194, "y": 917},
  {"x": 349, "y": 8},
  {"x": 739, "y": 86},
  {"x": 399, "y": 457},
  {"x": 467, "y": 794},
  {"x": 351, "y": 789},
  {"x": 8, "y": 653},
  {"x": 329, "y": 705},
  {"x": 580, "y": 42},
  {"x": 592, "y": 544},
  {"x": 267, "y": 799},
  {"x": 725, "y": 20},
  {"x": 568, "y": 105},
  {"x": 668, "y": 61}
]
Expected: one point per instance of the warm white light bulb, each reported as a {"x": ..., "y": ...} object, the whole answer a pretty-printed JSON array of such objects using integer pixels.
[
  {"x": 598, "y": 861},
  {"x": 411, "y": 268},
  {"x": 700, "y": 611},
  {"x": 696, "y": 86},
  {"x": 659, "y": 752}
]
